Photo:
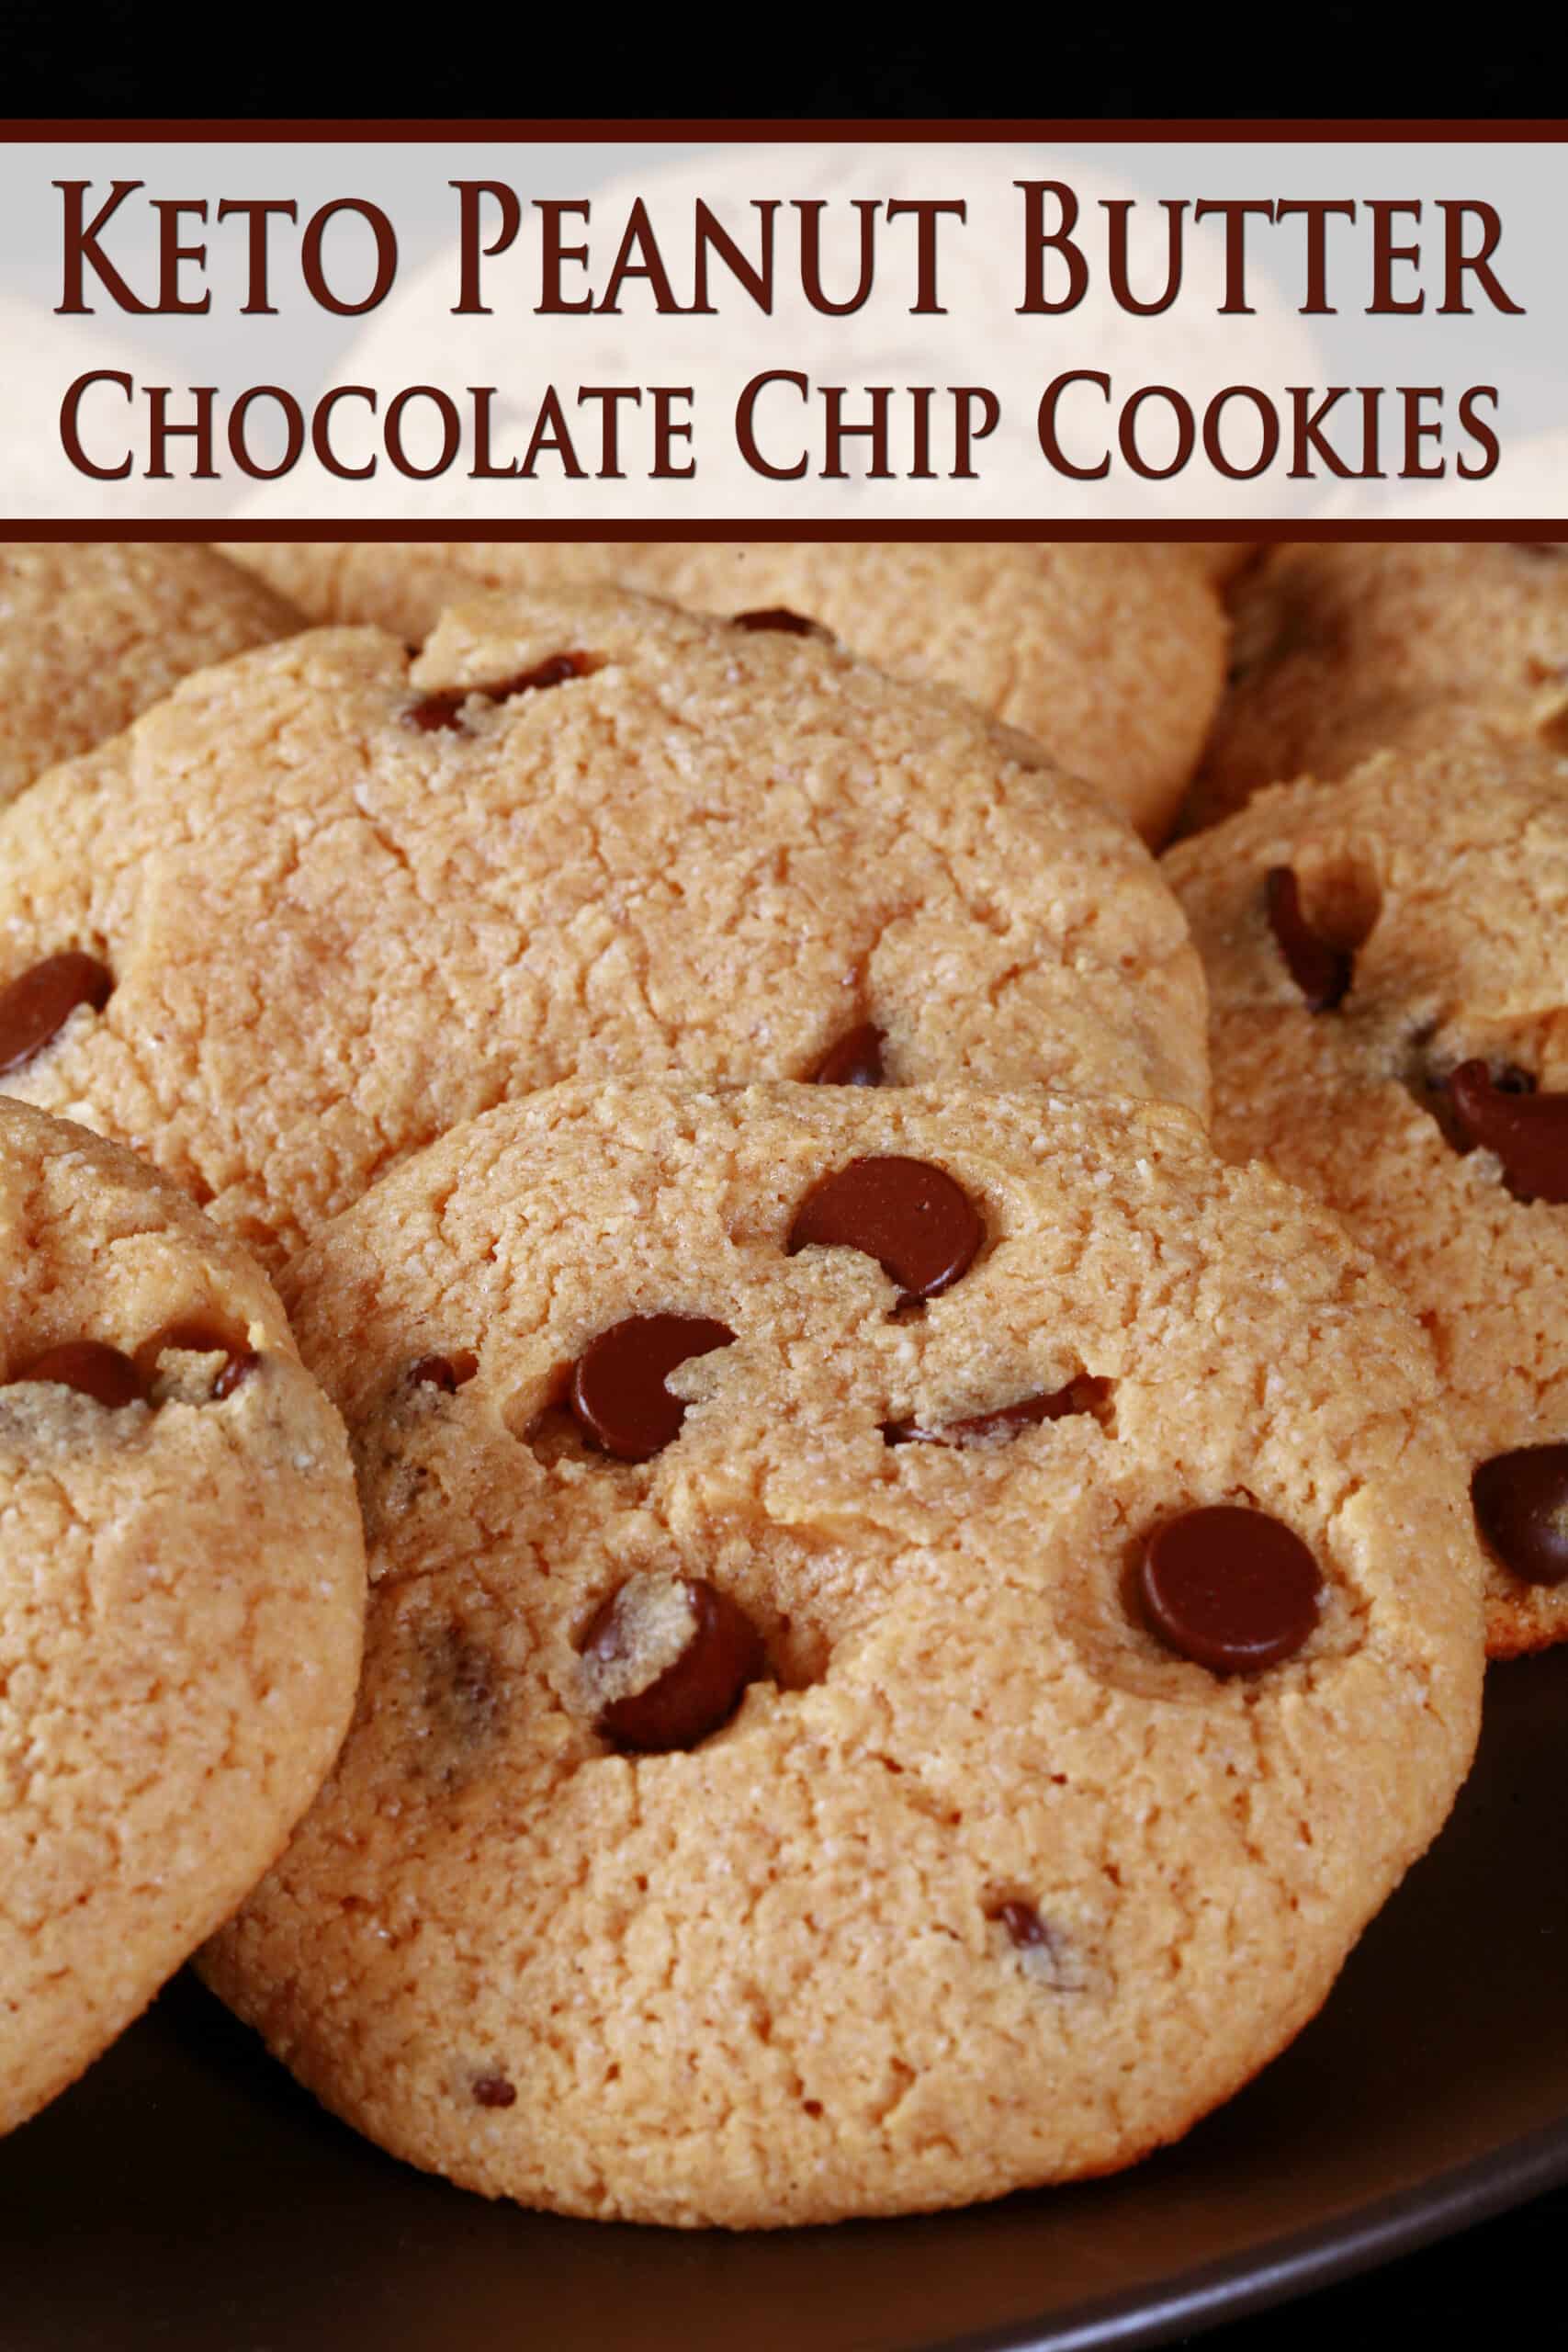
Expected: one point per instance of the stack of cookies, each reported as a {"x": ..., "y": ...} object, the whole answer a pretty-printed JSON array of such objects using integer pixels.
[{"x": 806, "y": 1600}]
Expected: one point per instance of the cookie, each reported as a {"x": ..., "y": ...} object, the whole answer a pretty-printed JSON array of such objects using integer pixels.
[
  {"x": 341, "y": 900},
  {"x": 910, "y": 1632},
  {"x": 1343, "y": 650},
  {"x": 1387, "y": 972},
  {"x": 92, "y": 633},
  {"x": 181, "y": 1593},
  {"x": 1112, "y": 658}
]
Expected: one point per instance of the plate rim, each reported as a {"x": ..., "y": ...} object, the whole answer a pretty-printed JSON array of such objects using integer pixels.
[{"x": 1297, "y": 2261}]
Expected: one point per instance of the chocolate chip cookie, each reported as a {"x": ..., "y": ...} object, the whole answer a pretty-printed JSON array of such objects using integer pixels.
[
  {"x": 181, "y": 1591},
  {"x": 1112, "y": 658},
  {"x": 329, "y": 900},
  {"x": 910, "y": 1632},
  {"x": 93, "y": 632},
  {"x": 1389, "y": 973},
  {"x": 1343, "y": 650}
]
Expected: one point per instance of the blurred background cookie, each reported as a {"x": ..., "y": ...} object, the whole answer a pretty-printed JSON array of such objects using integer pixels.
[
  {"x": 1388, "y": 971},
  {"x": 181, "y": 1593},
  {"x": 1111, "y": 657},
  {"x": 1341, "y": 651},
  {"x": 94, "y": 631},
  {"x": 337, "y": 900}
]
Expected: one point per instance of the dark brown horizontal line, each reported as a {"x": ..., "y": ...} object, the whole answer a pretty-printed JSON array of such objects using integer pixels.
[
  {"x": 377, "y": 530},
  {"x": 882, "y": 130}
]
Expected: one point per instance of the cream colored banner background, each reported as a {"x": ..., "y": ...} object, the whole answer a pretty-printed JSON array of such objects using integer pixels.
[{"x": 1291, "y": 359}]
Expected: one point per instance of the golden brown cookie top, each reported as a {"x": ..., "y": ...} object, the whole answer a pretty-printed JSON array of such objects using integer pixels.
[
  {"x": 883, "y": 1602},
  {"x": 181, "y": 1597},
  {"x": 1342, "y": 651},
  {"x": 341, "y": 899},
  {"x": 1388, "y": 968},
  {"x": 1112, "y": 658},
  {"x": 93, "y": 632}
]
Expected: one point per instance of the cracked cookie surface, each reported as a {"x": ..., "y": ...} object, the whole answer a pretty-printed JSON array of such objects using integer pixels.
[
  {"x": 344, "y": 900},
  {"x": 94, "y": 632},
  {"x": 1111, "y": 657},
  {"x": 1438, "y": 888},
  {"x": 1341, "y": 651},
  {"x": 793, "y": 1812},
  {"x": 181, "y": 1591}
]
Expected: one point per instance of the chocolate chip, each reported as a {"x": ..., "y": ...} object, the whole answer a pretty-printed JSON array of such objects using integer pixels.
[
  {"x": 921, "y": 1226},
  {"x": 471, "y": 1683},
  {"x": 1230, "y": 1588},
  {"x": 446, "y": 1372},
  {"x": 1023, "y": 1922},
  {"x": 855, "y": 1060},
  {"x": 1319, "y": 969},
  {"x": 93, "y": 1370},
  {"x": 1080, "y": 1396},
  {"x": 445, "y": 708},
  {"x": 1047, "y": 1955},
  {"x": 203, "y": 1340},
  {"x": 618, "y": 1384},
  {"x": 1528, "y": 1131},
  {"x": 464, "y": 1703},
  {"x": 1521, "y": 1508},
  {"x": 665, "y": 1660},
  {"x": 38, "y": 1002},
  {"x": 494, "y": 2090},
  {"x": 779, "y": 616}
]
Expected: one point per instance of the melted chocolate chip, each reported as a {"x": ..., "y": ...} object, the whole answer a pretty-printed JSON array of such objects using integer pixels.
[
  {"x": 1024, "y": 1926},
  {"x": 1047, "y": 1955},
  {"x": 1521, "y": 1508},
  {"x": 494, "y": 2090},
  {"x": 445, "y": 708},
  {"x": 1321, "y": 971},
  {"x": 1528, "y": 1131},
  {"x": 242, "y": 1363},
  {"x": 473, "y": 1683},
  {"x": 38, "y": 1002},
  {"x": 666, "y": 1659},
  {"x": 1080, "y": 1396},
  {"x": 780, "y": 618},
  {"x": 446, "y": 1372},
  {"x": 1231, "y": 1588},
  {"x": 618, "y": 1384},
  {"x": 203, "y": 1340},
  {"x": 93, "y": 1370},
  {"x": 921, "y": 1226},
  {"x": 855, "y": 1060}
]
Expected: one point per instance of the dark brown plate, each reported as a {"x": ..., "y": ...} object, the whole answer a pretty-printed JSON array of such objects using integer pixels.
[{"x": 186, "y": 2194}]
